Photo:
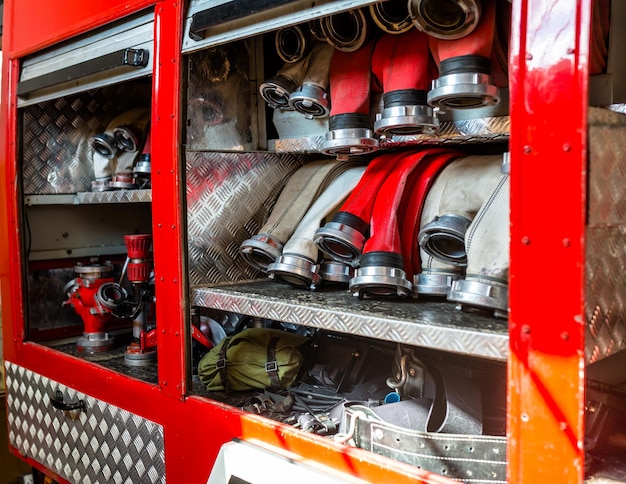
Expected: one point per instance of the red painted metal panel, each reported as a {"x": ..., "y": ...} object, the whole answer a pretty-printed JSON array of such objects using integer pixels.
[
  {"x": 34, "y": 24},
  {"x": 548, "y": 83}
]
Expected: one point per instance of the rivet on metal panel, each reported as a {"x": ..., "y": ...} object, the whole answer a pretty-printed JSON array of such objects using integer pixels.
[
  {"x": 164, "y": 383},
  {"x": 566, "y": 242},
  {"x": 525, "y": 329},
  {"x": 160, "y": 226},
  {"x": 571, "y": 50},
  {"x": 567, "y": 147},
  {"x": 527, "y": 149},
  {"x": 526, "y": 240},
  {"x": 563, "y": 426},
  {"x": 529, "y": 56},
  {"x": 524, "y": 417},
  {"x": 173, "y": 226},
  {"x": 564, "y": 335}
]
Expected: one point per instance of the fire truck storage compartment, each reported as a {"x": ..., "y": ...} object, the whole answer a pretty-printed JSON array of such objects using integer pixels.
[
  {"x": 84, "y": 156},
  {"x": 240, "y": 154}
]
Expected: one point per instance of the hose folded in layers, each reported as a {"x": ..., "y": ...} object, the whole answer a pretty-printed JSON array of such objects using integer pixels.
[
  {"x": 277, "y": 89},
  {"x": 464, "y": 80},
  {"x": 349, "y": 124},
  {"x": 301, "y": 190},
  {"x": 487, "y": 244},
  {"x": 403, "y": 67},
  {"x": 125, "y": 132},
  {"x": 466, "y": 184},
  {"x": 298, "y": 263},
  {"x": 432, "y": 277},
  {"x": 412, "y": 205},
  {"x": 381, "y": 272},
  {"x": 343, "y": 237},
  {"x": 311, "y": 97}
]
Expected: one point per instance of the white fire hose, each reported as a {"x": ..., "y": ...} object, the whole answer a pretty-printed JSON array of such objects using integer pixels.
[
  {"x": 301, "y": 190},
  {"x": 311, "y": 97},
  {"x": 487, "y": 244},
  {"x": 298, "y": 263},
  {"x": 276, "y": 90},
  {"x": 465, "y": 184}
]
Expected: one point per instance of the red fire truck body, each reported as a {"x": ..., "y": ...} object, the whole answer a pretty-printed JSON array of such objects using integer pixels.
[{"x": 157, "y": 425}]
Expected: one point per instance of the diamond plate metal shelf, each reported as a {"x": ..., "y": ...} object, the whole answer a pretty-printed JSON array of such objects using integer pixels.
[
  {"x": 436, "y": 325},
  {"x": 85, "y": 198}
]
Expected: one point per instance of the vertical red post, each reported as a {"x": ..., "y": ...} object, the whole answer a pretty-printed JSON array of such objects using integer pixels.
[{"x": 548, "y": 91}]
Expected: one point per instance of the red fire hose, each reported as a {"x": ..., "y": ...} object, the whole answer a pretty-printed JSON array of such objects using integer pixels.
[
  {"x": 404, "y": 69},
  {"x": 464, "y": 66},
  {"x": 349, "y": 123},
  {"x": 344, "y": 236},
  {"x": 381, "y": 271}
]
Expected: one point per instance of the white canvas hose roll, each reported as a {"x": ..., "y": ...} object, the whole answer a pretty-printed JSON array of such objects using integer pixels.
[
  {"x": 301, "y": 190},
  {"x": 311, "y": 98},
  {"x": 487, "y": 244},
  {"x": 467, "y": 182},
  {"x": 297, "y": 264}
]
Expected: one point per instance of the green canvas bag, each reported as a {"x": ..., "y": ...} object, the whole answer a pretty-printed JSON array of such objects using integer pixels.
[{"x": 256, "y": 358}]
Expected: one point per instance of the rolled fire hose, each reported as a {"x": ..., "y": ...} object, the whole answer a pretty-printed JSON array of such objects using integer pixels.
[
  {"x": 276, "y": 90},
  {"x": 297, "y": 264},
  {"x": 347, "y": 31},
  {"x": 301, "y": 190},
  {"x": 124, "y": 132},
  {"x": 412, "y": 205},
  {"x": 343, "y": 237},
  {"x": 464, "y": 66},
  {"x": 311, "y": 97},
  {"x": 392, "y": 16},
  {"x": 349, "y": 123},
  {"x": 402, "y": 65},
  {"x": 381, "y": 272},
  {"x": 292, "y": 43},
  {"x": 434, "y": 277},
  {"x": 487, "y": 244},
  {"x": 467, "y": 183}
]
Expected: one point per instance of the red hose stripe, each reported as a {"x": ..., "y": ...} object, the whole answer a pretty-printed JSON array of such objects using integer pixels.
[{"x": 350, "y": 81}]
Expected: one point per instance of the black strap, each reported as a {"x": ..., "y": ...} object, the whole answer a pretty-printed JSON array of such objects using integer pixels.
[
  {"x": 220, "y": 364},
  {"x": 271, "y": 366}
]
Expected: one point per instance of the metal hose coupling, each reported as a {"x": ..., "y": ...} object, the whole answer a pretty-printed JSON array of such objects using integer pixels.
[
  {"x": 343, "y": 237},
  {"x": 347, "y": 31},
  {"x": 487, "y": 243},
  {"x": 402, "y": 66},
  {"x": 381, "y": 273},
  {"x": 301, "y": 190},
  {"x": 277, "y": 89},
  {"x": 311, "y": 97},
  {"x": 451, "y": 19},
  {"x": 297, "y": 265},
  {"x": 292, "y": 43},
  {"x": 115, "y": 150},
  {"x": 464, "y": 67},
  {"x": 130, "y": 138},
  {"x": 392, "y": 16},
  {"x": 349, "y": 124},
  {"x": 466, "y": 184}
]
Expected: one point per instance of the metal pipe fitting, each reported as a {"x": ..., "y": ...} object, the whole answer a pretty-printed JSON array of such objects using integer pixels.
[
  {"x": 311, "y": 97},
  {"x": 448, "y": 19},
  {"x": 292, "y": 43},
  {"x": 391, "y": 16},
  {"x": 347, "y": 31}
]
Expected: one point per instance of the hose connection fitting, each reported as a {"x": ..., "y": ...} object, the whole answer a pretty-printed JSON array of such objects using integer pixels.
[
  {"x": 451, "y": 19},
  {"x": 381, "y": 274},
  {"x": 349, "y": 135},
  {"x": 444, "y": 238}
]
